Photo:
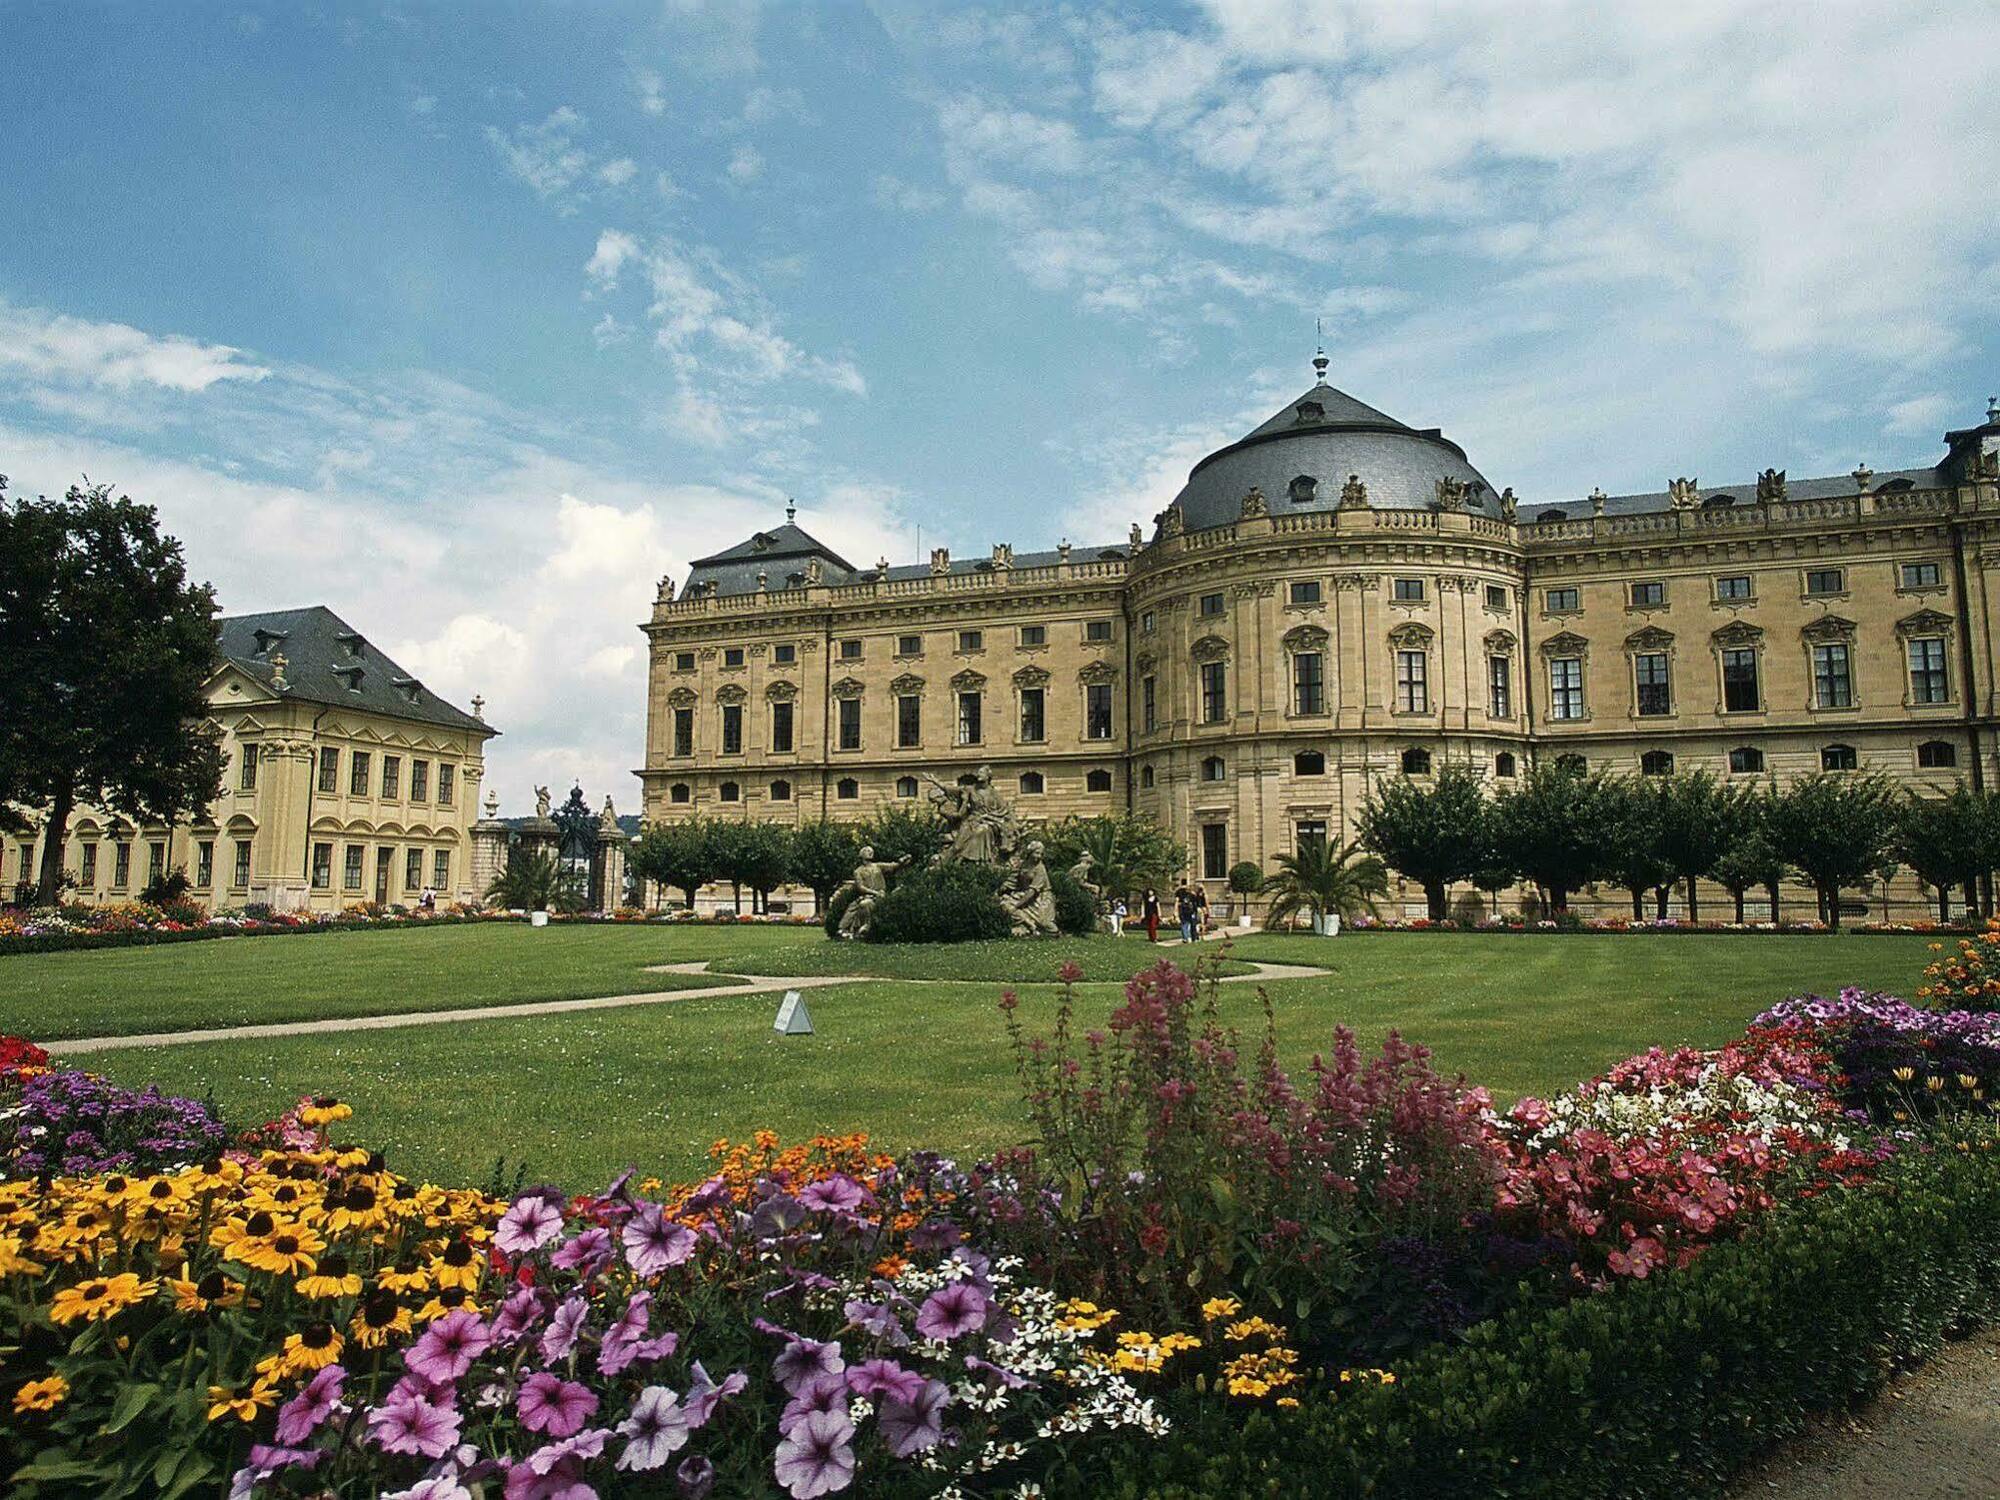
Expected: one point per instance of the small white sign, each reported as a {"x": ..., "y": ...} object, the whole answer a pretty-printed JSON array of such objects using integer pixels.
[{"x": 792, "y": 1018}]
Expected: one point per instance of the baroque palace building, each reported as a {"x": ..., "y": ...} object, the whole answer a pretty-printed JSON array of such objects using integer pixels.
[
  {"x": 1336, "y": 598},
  {"x": 347, "y": 780}
]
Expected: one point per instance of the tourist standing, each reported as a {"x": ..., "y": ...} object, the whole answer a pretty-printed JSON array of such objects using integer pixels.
[
  {"x": 1118, "y": 916},
  {"x": 1201, "y": 911},
  {"x": 1184, "y": 912},
  {"x": 1151, "y": 912}
]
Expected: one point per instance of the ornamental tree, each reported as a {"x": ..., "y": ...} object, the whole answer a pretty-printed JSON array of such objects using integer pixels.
[
  {"x": 1834, "y": 828},
  {"x": 1128, "y": 851},
  {"x": 1752, "y": 861},
  {"x": 1432, "y": 830},
  {"x": 1696, "y": 820},
  {"x": 1556, "y": 827},
  {"x": 1945, "y": 840},
  {"x": 681, "y": 856},
  {"x": 1321, "y": 877},
  {"x": 1632, "y": 856},
  {"x": 106, "y": 650},
  {"x": 754, "y": 854},
  {"x": 823, "y": 855}
]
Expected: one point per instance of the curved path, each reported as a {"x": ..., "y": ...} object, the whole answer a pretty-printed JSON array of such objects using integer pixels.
[{"x": 749, "y": 984}]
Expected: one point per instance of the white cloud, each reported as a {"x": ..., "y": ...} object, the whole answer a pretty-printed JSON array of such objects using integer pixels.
[
  {"x": 550, "y": 158},
  {"x": 424, "y": 104},
  {"x": 618, "y": 173},
  {"x": 50, "y": 348},
  {"x": 614, "y": 248},
  {"x": 650, "y": 88},
  {"x": 746, "y": 164}
]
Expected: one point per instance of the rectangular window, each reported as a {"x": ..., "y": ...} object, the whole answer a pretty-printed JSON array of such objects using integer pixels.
[
  {"x": 1034, "y": 635},
  {"x": 1214, "y": 851},
  {"x": 1097, "y": 711},
  {"x": 1413, "y": 692},
  {"x": 969, "y": 728},
  {"x": 1649, "y": 592},
  {"x": 1826, "y": 581},
  {"x": 121, "y": 865},
  {"x": 1496, "y": 597},
  {"x": 26, "y": 854},
  {"x": 683, "y": 661},
  {"x": 1655, "y": 694},
  {"x": 1149, "y": 703},
  {"x": 732, "y": 729},
  {"x": 156, "y": 861},
  {"x": 1833, "y": 679},
  {"x": 909, "y": 720},
  {"x": 1148, "y": 622},
  {"x": 1928, "y": 683},
  {"x": 1562, "y": 601},
  {"x": 357, "y": 773},
  {"x": 1034, "y": 720},
  {"x": 850, "y": 650},
  {"x": 781, "y": 727},
  {"x": 350, "y": 868},
  {"x": 413, "y": 869},
  {"x": 447, "y": 775},
  {"x": 89, "y": 878},
  {"x": 732, "y": 656},
  {"x": 241, "y": 879},
  {"x": 1566, "y": 687},
  {"x": 441, "y": 869},
  {"x": 247, "y": 775},
  {"x": 322, "y": 876},
  {"x": 1922, "y": 575},
  {"x": 1308, "y": 833},
  {"x": 392, "y": 776},
  {"x": 1739, "y": 680},
  {"x": 1308, "y": 683},
  {"x": 1209, "y": 606},
  {"x": 782, "y": 656},
  {"x": 1499, "y": 687},
  {"x": 420, "y": 780},
  {"x": 204, "y": 864},
  {"x": 329, "y": 770},
  {"x": 683, "y": 731},
  {"x": 1097, "y": 630},
  {"x": 972, "y": 640},
  {"x": 850, "y": 723},
  {"x": 909, "y": 645},
  {"x": 1409, "y": 590},
  {"x": 1214, "y": 691},
  {"x": 1306, "y": 593},
  {"x": 1733, "y": 586}
]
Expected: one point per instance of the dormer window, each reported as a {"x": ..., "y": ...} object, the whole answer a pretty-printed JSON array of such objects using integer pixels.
[
  {"x": 352, "y": 676},
  {"x": 409, "y": 687},
  {"x": 763, "y": 541},
  {"x": 1311, "y": 411},
  {"x": 1718, "y": 502},
  {"x": 1551, "y": 515},
  {"x": 266, "y": 639},
  {"x": 1303, "y": 489},
  {"x": 353, "y": 643}
]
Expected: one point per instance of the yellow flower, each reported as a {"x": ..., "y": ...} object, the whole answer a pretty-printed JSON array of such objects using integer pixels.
[
  {"x": 224, "y": 1402},
  {"x": 1217, "y": 1308},
  {"x": 458, "y": 1266},
  {"x": 322, "y": 1112},
  {"x": 1250, "y": 1328},
  {"x": 379, "y": 1319},
  {"x": 1286, "y": 1401},
  {"x": 312, "y": 1348},
  {"x": 332, "y": 1278},
  {"x": 41, "y": 1395},
  {"x": 213, "y": 1290},
  {"x": 403, "y": 1278},
  {"x": 99, "y": 1297},
  {"x": 13, "y": 1262},
  {"x": 286, "y": 1251}
]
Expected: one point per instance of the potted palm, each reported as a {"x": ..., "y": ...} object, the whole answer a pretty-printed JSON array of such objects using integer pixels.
[
  {"x": 535, "y": 882},
  {"x": 1326, "y": 883}
]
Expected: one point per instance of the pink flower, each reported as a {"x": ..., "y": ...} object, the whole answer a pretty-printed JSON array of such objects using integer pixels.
[
  {"x": 528, "y": 1224},
  {"x": 816, "y": 1458},
  {"x": 550, "y": 1404},
  {"x": 409, "y": 1424},
  {"x": 839, "y": 1193},
  {"x": 301, "y": 1416},
  {"x": 448, "y": 1347},
  {"x": 956, "y": 1308},
  {"x": 653, "y": 1243}
]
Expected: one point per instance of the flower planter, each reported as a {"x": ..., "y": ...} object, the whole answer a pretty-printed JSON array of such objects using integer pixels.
[{"x": 538, "y": 919}]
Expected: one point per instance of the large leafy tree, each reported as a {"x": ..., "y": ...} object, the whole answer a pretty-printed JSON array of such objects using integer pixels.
[
  {"x": 1834, "y": 828},
  {"x": 823, "y": 855},
  {"x": 1556, "y": 827},
  {"x": 1320, "y": 877},
  {"x": 1946, "y": 840},
  {"x": 1696, "y": 821},
  {"x": 1128, "y": 851},
  {"x": 1752, "y": 860},
  {"x": 1632, "y": 855},
  {"x": 757, "y": 855},
  {"x": 912, "y": 833},
  {"x": 1433, "y": 829},
  {"x": 681, "y": 856},
  {"x": 106, "y": 649}
]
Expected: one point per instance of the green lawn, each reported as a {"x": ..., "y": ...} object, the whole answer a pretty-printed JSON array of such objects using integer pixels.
[
  {"x": 1011, "y": 962},
  {"x": 576, "y": 1097}
]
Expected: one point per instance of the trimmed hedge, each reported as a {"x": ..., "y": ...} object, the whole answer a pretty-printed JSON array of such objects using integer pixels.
[
  {"x": 1669, "y": 1386},
  {"x": 955, "y": 903},
  {"x": 1076, "y": 908}
]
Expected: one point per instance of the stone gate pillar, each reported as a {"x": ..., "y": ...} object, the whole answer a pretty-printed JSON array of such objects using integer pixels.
[
  {"x": 607, "y": 868},
  {"x": 489, "y": 848}
]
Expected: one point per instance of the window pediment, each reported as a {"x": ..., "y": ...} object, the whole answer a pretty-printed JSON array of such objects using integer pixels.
[
  {"x": 1738, "y": 633},
  {"x": 1829, "y": 628},
  {"x": 781, "y": 692},
  {"x": 1411, "y": 636},
  {"x": 1209, "y": 648},
  {"x": 1565, "y": 643},
  {"x": 731, "y": 694},
  {"x": 1925, "y": 622},
  {"x": 1031, "y": 677},
  {"x": 907, "y": 684},
  {"x": 683, "y": 697},
  {"x": 968, "y": 681},
  {"x": 1652, "y": 638},
  {"x": 1144, "y": 661},
  {"x": 1500, "y": 642},
  {"x": 1097, "y": 672},
  {"x": 847, "y": 687},
  {"x": 1305, "y": 638}
]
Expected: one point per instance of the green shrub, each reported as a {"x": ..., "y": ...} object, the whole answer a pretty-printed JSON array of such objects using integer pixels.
[
  {"x": 1076, "y": 908},
  {"x": 1247, "y": 878},
  {"x": 956, "y": 903},
  {"x": 166, "y": 889},
  {"x": 1667, "y": 1386}
]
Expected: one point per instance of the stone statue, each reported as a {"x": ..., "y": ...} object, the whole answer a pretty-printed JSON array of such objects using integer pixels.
[
  {"x": 1771, "y": 485},
  {"x": 1451, "y": 493},
  {"x": 1354, "y": 494},
  {"x": 1137, "y": 539},
  {"x": 541, "y": 802},
  {"x": 1254, "y": 504},
  {"x": 1081, "y": 871},
  {"x": 608, "y": 819},
  {"x": 868, "y": 884},
  {"x": 1029, "y": 901},
  {"x": 1682, "y": 494},
  {"x": 979, "y": 825},
  {"x": 666, "y": 595},
  {"x": 1508, "y": 504}
]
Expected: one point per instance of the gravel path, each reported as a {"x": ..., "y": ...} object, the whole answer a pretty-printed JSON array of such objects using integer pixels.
[
  {"x": 1933, "y": 1435},
  {"x": 750, "y": 984}
]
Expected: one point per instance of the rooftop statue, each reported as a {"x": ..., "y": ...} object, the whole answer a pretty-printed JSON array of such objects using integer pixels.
[{"x": 541, "y": 802}]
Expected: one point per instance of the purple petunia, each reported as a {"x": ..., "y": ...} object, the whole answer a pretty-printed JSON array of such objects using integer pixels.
[
  {"x": 695, "y": 1478},
  {"x": 879, "y": 1377},
  {"x": 816, "y": 1458},
  {"x": 836, "y": 1194},
  {"x": 822, "y": 1393},
  {"x": 437, "y": 1487},
  {"x": 552, "y": 1405},
  {"x": 625, "y": 1341},
  {"x": 914, "y": 1426},
  {"x": 529, "y": 1223},
  {"x": 653, "y": 1243},
  {"x": 518, "y": 1314},
  {"x": 564, "y": 1326},
  {"x": 448, "y": 1347},
  {"x": 704, "y": 1395},
  {"x": 801, "y": 1360},
  {"x": 410, "y": 1424},
  {"x": 301, "y": 1416},
  {"x": 958, "y": 1307},
  {"x": 587, "y": 1254},
  {"x": 657, "y": 1428}
]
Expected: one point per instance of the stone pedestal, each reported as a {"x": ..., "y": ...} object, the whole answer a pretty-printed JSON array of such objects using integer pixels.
[
  {"x": 489, "y": 848},
  {"x": 607, "y": 865}
]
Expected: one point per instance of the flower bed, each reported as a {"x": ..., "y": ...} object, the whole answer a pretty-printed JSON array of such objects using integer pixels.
[
  {"x": 127, "y": 925},
  {"x": 1204, "y": 1273},
  {"x": 1570, "y": 925}
]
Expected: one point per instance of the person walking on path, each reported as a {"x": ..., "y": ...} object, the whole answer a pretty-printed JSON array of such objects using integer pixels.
[
  {"x": 1184, "y": 912},
  {"x": 1151, "y": 913},
  {"x": 1201, "y": 911}
]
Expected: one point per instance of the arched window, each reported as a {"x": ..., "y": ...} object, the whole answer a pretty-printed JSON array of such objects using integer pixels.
[
  {"x": 1746, "y": 758},
  {"x": 847, "y": 789},
  {"x": 1212, "y": 769},
  {"x": 1657, "y": 763},
  {"x": 680, "y": 791},
  {"x": 1146, "y": 777},
  {"x": 1309, "y": 763},
  {"x": 906, "y": 786},
  {"x": 1935, "y": 755},
  {"x": 1098, "y": 780},
  {"x": 781, "y": 791},
  {"x": 1837, "y": 758},
  {"x": 1573, "y": 763},
  {"x": 1416, "y": 761},
  {"x": 1031, "y": 784},
  {"x": 729, "y": 791},
  {"x": 1503, "y": 764}
]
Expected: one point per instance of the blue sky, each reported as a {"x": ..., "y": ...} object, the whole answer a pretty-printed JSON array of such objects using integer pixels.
[{"x": 472, "y": 322}]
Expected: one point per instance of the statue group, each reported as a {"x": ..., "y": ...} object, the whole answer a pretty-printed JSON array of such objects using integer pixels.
[{"x": 979, "y": 828}]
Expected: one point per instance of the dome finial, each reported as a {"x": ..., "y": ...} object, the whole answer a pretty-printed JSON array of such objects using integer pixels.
[
  {"x": 1319, "y": 353},
  {"x": 791, "y": 510}
]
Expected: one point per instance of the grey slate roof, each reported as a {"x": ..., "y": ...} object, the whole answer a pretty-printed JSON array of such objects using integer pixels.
[
  {"x": 1835, "y": 486},
  {"x": 1401, "y": 465},
  {"x": 321, "y": 651},
  {"x": 781, "y": 555}
]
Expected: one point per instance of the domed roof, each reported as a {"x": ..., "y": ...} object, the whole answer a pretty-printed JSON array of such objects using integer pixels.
[{"x": 1304, "y": 454}]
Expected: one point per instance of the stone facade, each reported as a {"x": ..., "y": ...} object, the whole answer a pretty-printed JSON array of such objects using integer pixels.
[
  {"x": 331, "y": 794},
  {"x": 1243, "y": 677}
]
